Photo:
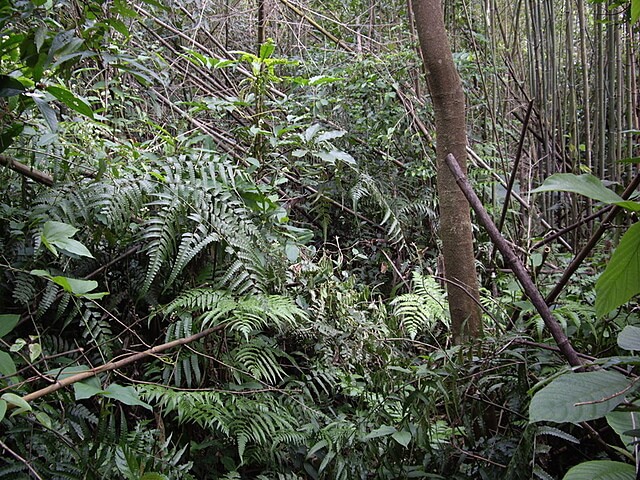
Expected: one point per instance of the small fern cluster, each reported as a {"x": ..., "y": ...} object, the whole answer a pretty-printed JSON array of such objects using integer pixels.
[{"x": 423, "y": 308}]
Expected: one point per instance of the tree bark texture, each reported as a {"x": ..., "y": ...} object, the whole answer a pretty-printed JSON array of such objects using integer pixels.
[{"x": 455, "y": 218}]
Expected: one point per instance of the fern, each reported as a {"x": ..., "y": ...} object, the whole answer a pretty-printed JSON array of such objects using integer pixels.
[
  {"x": 260, "y": 360},
  {"x": 423, "y": 308},
  {"x": 117, "y": 200},
  {"x": 367, "y": 187},
  {"x": 246, "y": 314},
  {"x": 24, "y": 288},
  {"x": 258, "y": 421},
  {"x": 199, "y": 205}
]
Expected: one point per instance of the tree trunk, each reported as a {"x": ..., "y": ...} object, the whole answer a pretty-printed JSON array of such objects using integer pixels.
[{"x": 455, "y": 218}]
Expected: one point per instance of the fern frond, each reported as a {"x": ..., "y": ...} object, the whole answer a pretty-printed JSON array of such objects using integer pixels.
[
  {"x": 259, "y": 359},
  {"x": 24, "y": 288},
  {"x": 556, "y": 432},
  {"x": 422, "y": 308},
  {"x": 367, "y": 187},
  {"x": 116, "y": 200}
]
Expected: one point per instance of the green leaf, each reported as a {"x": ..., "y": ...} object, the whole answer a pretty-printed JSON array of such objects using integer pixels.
[
  {"x": 601, "y": 470},
  {"x": 630, "y": 160},
  {"x": 121, "y": 7},
  {"x": 44, "y": 419},
  {"x": 8, "y": 323},
  {"x": 35, "y": 350},
  {"x": 326, "y": 136},
  {"x": 320, "y": 79},
  {"x": 87, "y": 388},
  {"x": 18, "y": 401},
  {"x": 585, "y": 184},
  {"x": 10, "y": 86},
  {"x": 622, "y": 423},
  {"x": 3, "y": 409},
  {"x": 621, "y": 279},
  {"x": 153, "y": 476},
  {"x": 71, "y": 285},
  {"x": 629, "y": 338},
  {"x": 9, "y": 134},
  {"x": 7, "y": 367},
  {"x": 127, "y": 395},
  {"x": 579, "y": 397},
  {"x": 310, "y": 132},
  {"x": 403, "y": 437},
  {"x": 267, "y": 49},
  {"x": 70, "y": 100},
  {"x": 118, "y": 26},
  {"x": 635, "y": 10},
  {"x": 333, "y": 155},
  {"x": 47, "y": 112},
  {"x": 58, "y": 234},
  {"x": 383, "y": 431},
  {"x": 62, "y": 373}
]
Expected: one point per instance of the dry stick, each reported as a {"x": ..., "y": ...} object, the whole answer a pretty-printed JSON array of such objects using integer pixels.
[
  {"x": 26, "y": 170},
  {"x": 575, "y": 263},
  {"x": 134, "y": 357},
  {"x": 512, "y": 178},
  {"x": 316, "y": 25},
  {"x": 516, "y": 265},
  {"x": 20, "y": 459},
  {"x": 516, "y": 164}
]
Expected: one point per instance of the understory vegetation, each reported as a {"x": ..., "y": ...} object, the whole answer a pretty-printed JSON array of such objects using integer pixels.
[{"x": 219, "y": 242}]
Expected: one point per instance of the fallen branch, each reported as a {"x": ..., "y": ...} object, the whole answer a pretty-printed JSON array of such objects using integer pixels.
[
  {"x": 518, "y": 268},
  {"x": 134, "y": 357},
  {"x": 27, "y": 171}
]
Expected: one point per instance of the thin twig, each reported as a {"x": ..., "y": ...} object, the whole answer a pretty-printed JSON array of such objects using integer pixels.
[
  {"x": 609, "y": 397},
  {"x": 20, "y": 459}
]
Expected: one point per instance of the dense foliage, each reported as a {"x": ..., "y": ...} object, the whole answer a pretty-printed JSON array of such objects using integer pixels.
[{"x": 221, "y": 260}]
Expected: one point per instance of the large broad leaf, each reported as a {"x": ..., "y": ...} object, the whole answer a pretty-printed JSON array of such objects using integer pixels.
[
  {"x": 635, "y": 10},
  {"x": 17, "y": 401},
  {"x": 70, "y": 100},
  {"x": 47, "y": 112},
  {"x": 383, "y": 431},
  {"x": 8, "y": 323},
  {"x": 403, "y": 437},
  {"x": 579, "y": 397},
  {"x": 10, "y": 86},
  {"x": 601, "y": 470},
  {"x": 127, "y": 395},
  {"x": 7, "y": 367},
  {"x": 87, "y": 388},
  {"x": 76, "y": 286},
  {"x": 622, "y": 423},
  {"x": 62, "y": 373},
  {"x": 629, "y": 338},
  {"x": 58, "y": 234},
  {"x": 585, "y": 184},
  {"x": 621, "y": 279}
]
